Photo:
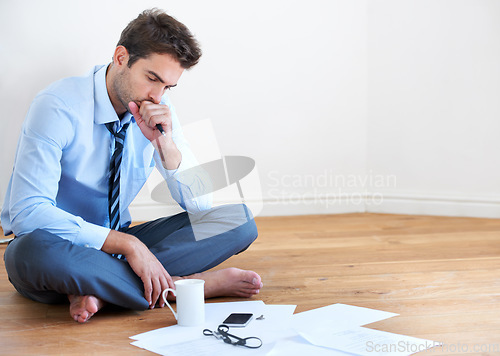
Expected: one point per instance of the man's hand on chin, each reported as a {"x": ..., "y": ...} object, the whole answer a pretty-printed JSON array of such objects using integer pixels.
[{"x": 147, "y": 116}]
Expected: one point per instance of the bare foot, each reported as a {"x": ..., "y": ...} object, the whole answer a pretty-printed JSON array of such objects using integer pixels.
[
  {"x": 230, "y": 282},
  {"x": 83, "y": 307}
]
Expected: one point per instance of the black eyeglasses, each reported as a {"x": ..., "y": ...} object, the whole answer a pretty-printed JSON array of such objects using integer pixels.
[{"x": 252, "y": 342}]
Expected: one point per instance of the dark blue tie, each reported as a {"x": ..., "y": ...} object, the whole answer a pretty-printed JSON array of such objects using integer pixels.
[{"x": 114, "y": 179}]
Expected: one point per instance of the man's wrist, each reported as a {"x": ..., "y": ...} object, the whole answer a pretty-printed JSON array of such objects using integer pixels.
[
  {"x": 169, "y": 153},
  {"x": 119, "y": 243},
  {"x": 129, "y": 244}
]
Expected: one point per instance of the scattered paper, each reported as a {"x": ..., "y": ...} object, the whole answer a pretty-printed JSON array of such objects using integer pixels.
[
  {"x": 334, "y": 330},
  {"x": 181, "y": 340},
  {"x": 336, "y": 317}
]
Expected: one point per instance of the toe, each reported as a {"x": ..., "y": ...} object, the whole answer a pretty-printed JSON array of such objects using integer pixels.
[
  {"x": 84, "y": 316},
  {"x": 251, "y": 277},
  {"x": 243, "y": 294}
]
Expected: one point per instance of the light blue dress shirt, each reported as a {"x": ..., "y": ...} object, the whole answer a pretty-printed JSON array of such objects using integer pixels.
[{"x": 61, "y": 171}]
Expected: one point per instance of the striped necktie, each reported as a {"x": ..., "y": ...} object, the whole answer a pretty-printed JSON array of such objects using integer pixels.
[{"x": 114, "y": 179}]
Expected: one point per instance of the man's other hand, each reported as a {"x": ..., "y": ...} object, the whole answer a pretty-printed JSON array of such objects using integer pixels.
[{"x": 143, "y": 262}]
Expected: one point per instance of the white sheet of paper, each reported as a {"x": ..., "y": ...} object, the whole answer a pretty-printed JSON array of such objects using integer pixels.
[
  {"x": 200, "y": 346},
  {"x": 338, "y": 326},
  {"x": 370, "y": 342},
  {"x": 297, "y": 345},
  {"x": 177, "y": 340},
  {"x": 274, "y": 326},
  {"x": 336, "y": 317}
]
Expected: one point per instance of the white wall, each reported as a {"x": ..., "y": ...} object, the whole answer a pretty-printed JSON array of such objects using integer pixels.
[
  {"x": 433, "y": 105},
  {"x": 334, "y": 100}
]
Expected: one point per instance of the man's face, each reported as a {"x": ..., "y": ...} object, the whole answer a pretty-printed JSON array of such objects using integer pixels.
[{"x": 146, "y": 80}]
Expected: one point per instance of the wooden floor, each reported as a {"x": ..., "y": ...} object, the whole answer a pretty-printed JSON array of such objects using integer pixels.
[{"x": 442, "y": 275}]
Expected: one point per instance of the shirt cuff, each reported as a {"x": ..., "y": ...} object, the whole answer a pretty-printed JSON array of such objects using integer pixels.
[
  {"x": 182, "y": 167},
  {"x": 186, "y": 173},
  {"x": 92, "y": 235}
]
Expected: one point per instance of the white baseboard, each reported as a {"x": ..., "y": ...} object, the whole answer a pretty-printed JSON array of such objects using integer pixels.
[
  {"x": 420, "y": 204},
  {"x": 303, "y": 205},
  {"x": 410, "y": 204},
  {"x": 312, "y": 205}
]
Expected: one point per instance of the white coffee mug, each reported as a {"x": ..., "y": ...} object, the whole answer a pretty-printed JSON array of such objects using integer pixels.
[{"x": 190, "y": 300}]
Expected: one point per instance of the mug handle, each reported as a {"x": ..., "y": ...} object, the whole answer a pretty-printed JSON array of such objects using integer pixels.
[{"x": 164, "y": 296}]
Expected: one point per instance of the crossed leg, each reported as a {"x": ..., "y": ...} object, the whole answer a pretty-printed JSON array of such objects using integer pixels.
[
  {"x": 229, "y": 282},
  {"x": 46, "y": 268}
]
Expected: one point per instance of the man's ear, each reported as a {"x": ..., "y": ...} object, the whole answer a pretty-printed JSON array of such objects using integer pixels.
[{"x": 120, "y": 57}]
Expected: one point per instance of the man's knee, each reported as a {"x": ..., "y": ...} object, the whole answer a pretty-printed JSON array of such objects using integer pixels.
[
  {"x": 246, "y": 229},
  {"x": 29, "y": 259},
  {"x": 239, "y": 215},
  {"x": 249, "y": 227},
  {"x": 46, "y": 268},
  {"x": 235, "y": 219}
]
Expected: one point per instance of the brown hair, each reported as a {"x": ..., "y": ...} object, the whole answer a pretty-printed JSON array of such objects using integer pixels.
[{"x": 153, "y": 31}]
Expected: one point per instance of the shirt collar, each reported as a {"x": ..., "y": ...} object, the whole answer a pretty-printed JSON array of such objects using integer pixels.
[{"x": 103, "y": 109}]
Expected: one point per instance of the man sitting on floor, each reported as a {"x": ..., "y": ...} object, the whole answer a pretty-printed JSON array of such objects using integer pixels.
[{"x": 86, "y": 148}]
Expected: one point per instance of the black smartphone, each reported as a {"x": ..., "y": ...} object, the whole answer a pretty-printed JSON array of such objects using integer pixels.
[{"x": 238, "y": 320}]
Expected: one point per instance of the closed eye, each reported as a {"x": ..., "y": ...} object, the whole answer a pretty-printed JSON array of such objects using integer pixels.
[{"x": 153, "y": 77}]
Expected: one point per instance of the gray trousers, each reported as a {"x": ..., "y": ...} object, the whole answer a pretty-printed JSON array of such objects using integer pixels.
[{"x": 46, "y": 268}]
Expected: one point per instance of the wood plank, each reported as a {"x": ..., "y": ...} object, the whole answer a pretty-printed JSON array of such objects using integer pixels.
[{"x": 441, "y": 274}]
